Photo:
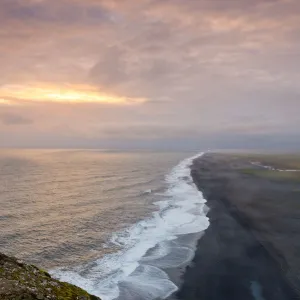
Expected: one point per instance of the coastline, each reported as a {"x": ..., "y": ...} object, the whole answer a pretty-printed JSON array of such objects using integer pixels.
[
  {"x": 150, "y": 264},
  {"x": 249, "y": 250},
  {"x": 239, "y": 256}
]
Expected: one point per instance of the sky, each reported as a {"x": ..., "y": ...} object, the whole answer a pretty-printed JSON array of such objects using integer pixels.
[{"x": 150, "y": 74}]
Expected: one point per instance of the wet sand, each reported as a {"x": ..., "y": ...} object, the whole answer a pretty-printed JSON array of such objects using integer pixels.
[{"x": 251, "y": 249}]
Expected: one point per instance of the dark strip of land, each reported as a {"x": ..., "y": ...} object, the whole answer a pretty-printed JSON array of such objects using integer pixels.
[{"x": 251, "y": 249}]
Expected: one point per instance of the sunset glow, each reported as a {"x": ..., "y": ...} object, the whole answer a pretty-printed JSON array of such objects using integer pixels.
[
  {"x": 18, "y": 94},
  {"x": 153, "y": 74}
]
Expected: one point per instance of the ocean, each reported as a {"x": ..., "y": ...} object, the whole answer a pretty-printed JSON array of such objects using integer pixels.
[{"x": 110, "y": 222}]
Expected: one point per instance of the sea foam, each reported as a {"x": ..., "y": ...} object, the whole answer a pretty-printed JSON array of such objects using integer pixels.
[{"x": 136, "y": 271}]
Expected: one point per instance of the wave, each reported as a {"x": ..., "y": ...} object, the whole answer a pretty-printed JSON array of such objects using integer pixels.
[
  {"x": 258, "y": 164},
  {"x": 146, "y": 192},
  {"x": 136, "y": 271}
]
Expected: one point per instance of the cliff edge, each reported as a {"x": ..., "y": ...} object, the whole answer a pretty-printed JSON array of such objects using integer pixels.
[{"x": 23, "y": 281}]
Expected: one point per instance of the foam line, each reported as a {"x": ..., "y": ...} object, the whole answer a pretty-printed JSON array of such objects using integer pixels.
[{"x": 136, "y": 271}]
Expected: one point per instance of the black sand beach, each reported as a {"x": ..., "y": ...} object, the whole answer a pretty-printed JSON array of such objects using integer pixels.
[{"x": 251, "y": 249}]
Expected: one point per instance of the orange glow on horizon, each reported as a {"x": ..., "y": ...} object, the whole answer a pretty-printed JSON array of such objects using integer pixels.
[
  {"x": 5, "y": 102},
  {"x": 16, "y": 94}
]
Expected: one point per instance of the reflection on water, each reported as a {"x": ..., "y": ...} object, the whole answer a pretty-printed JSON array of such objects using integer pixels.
[{"x": 60, "y": 207}]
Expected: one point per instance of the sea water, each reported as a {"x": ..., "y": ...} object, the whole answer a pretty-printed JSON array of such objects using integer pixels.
[{"x": 109, "y": 222}]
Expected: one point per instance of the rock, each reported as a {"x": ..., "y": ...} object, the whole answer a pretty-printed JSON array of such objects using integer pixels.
[
  {"x": 40, "y": 297},
  {"x": 21, "y": 281}
]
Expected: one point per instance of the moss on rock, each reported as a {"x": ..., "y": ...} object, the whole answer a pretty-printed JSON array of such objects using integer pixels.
[{"x": 23, "y": 281}]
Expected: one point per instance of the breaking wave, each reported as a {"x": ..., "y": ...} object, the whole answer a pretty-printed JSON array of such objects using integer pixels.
[{"x": 147, "y": 248}]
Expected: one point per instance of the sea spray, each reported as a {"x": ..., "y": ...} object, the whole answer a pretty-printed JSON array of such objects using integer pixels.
[{"x": 136, "y": 271}]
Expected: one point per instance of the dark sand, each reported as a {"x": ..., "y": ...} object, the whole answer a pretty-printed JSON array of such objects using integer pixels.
[{"x": 251, "y": 249}]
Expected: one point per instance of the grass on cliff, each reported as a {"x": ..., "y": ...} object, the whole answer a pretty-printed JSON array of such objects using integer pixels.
[{"x": 22, "y": 281}]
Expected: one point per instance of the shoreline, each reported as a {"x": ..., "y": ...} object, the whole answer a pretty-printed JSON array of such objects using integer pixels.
[
  {"x": 176, "y": 273},
  {"x": 155, "y": 255},
  {"x": 238, "y": 256}
]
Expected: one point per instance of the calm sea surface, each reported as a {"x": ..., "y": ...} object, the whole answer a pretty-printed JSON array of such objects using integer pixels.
[{"x": 62, "y": 209}]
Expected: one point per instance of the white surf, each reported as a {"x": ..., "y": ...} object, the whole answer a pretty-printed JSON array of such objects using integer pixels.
[{"x": 147, "y": 248}]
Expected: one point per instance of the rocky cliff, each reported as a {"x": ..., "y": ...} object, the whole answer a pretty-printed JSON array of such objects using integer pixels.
[{"x": 23, "y": 281}]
